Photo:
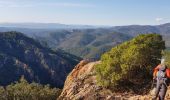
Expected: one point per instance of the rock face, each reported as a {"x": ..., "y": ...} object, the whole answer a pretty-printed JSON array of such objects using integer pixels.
[{"x": 81, "y": 84}]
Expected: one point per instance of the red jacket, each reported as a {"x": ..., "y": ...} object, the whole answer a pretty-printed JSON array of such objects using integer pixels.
[{"x": 157, "y": 69}]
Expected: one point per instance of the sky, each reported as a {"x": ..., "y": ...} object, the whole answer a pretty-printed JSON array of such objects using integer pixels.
[{"x": 86, "y": 12}]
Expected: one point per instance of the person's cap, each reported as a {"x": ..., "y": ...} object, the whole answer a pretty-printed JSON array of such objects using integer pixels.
[{"x": 162, "y": 61}]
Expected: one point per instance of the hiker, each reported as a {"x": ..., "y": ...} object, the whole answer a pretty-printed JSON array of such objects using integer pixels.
[{"x": 161, "y": 75}]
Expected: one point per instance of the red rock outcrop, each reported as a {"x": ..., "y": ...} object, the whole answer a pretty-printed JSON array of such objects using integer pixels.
[{"x": 81, "y": 84}]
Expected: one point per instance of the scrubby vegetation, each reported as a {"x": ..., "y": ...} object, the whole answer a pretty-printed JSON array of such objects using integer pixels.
[
  {"x": 22, "y": 90},
  {"x": 166, "y": 55},
  {"x": 131, "y": 63}
]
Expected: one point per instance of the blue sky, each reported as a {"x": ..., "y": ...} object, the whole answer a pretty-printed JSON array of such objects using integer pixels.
[{"x": 89, "y": 12}]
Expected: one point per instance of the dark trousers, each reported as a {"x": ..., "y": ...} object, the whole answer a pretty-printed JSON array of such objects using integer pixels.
[{"x": 160, "y": 91}]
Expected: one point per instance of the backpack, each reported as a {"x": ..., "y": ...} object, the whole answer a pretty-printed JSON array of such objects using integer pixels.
[
  {"x": 168, "y": 73},
  {"x": 161, "y": 75}
]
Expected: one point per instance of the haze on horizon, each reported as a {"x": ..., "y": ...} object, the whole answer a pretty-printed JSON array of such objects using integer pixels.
[{"x": 86, "y": 12}]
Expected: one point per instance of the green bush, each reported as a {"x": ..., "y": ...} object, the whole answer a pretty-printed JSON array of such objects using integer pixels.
[
  {"x": 166, "y": 55},
  {"x": 22, "y": 90},
  {"x": 130, "y": 63}
]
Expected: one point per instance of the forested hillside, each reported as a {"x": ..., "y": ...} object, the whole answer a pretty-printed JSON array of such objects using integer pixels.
[
  {"x": 89, "y": 43},
  {"x": 20, "y": 55}
]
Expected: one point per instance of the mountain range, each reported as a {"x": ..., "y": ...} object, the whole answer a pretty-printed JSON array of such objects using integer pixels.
[
  {"x": 89, "y": 42},
  {"x": 47, "y": 26}
]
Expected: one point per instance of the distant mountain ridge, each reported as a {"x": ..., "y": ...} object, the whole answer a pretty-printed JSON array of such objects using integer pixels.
[
  {"x": 47, "y": 26},
  {"x": 90, "y": 42}
]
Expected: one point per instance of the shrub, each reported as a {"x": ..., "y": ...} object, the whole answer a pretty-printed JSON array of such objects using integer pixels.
[
  {"x": 166, "y": 55},
  {"x": 130, "y": 63},
  {"x": 22, "y": 90}
]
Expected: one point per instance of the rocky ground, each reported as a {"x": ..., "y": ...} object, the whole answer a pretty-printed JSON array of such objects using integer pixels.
[{"x": 81, "y": 85}]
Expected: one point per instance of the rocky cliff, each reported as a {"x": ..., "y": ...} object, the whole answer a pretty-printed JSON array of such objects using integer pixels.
[{"x": 81, "y": 84}]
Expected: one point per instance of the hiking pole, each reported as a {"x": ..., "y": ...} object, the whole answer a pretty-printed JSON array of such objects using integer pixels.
[
  {"x": 153, "y": 83},
  {"x": 153, "y": 88}
]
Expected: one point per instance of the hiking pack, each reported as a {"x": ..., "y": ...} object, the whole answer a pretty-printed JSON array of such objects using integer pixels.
[
  {"x": 162, "y": 76},
  {"x": 161, "y": 72}
]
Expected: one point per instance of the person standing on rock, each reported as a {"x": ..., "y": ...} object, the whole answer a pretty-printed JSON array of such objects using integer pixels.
[{"x": 161, "y": 75}]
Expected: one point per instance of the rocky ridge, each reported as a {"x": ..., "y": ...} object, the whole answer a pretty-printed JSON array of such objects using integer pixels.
[{"x": 81, "y": 84}]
